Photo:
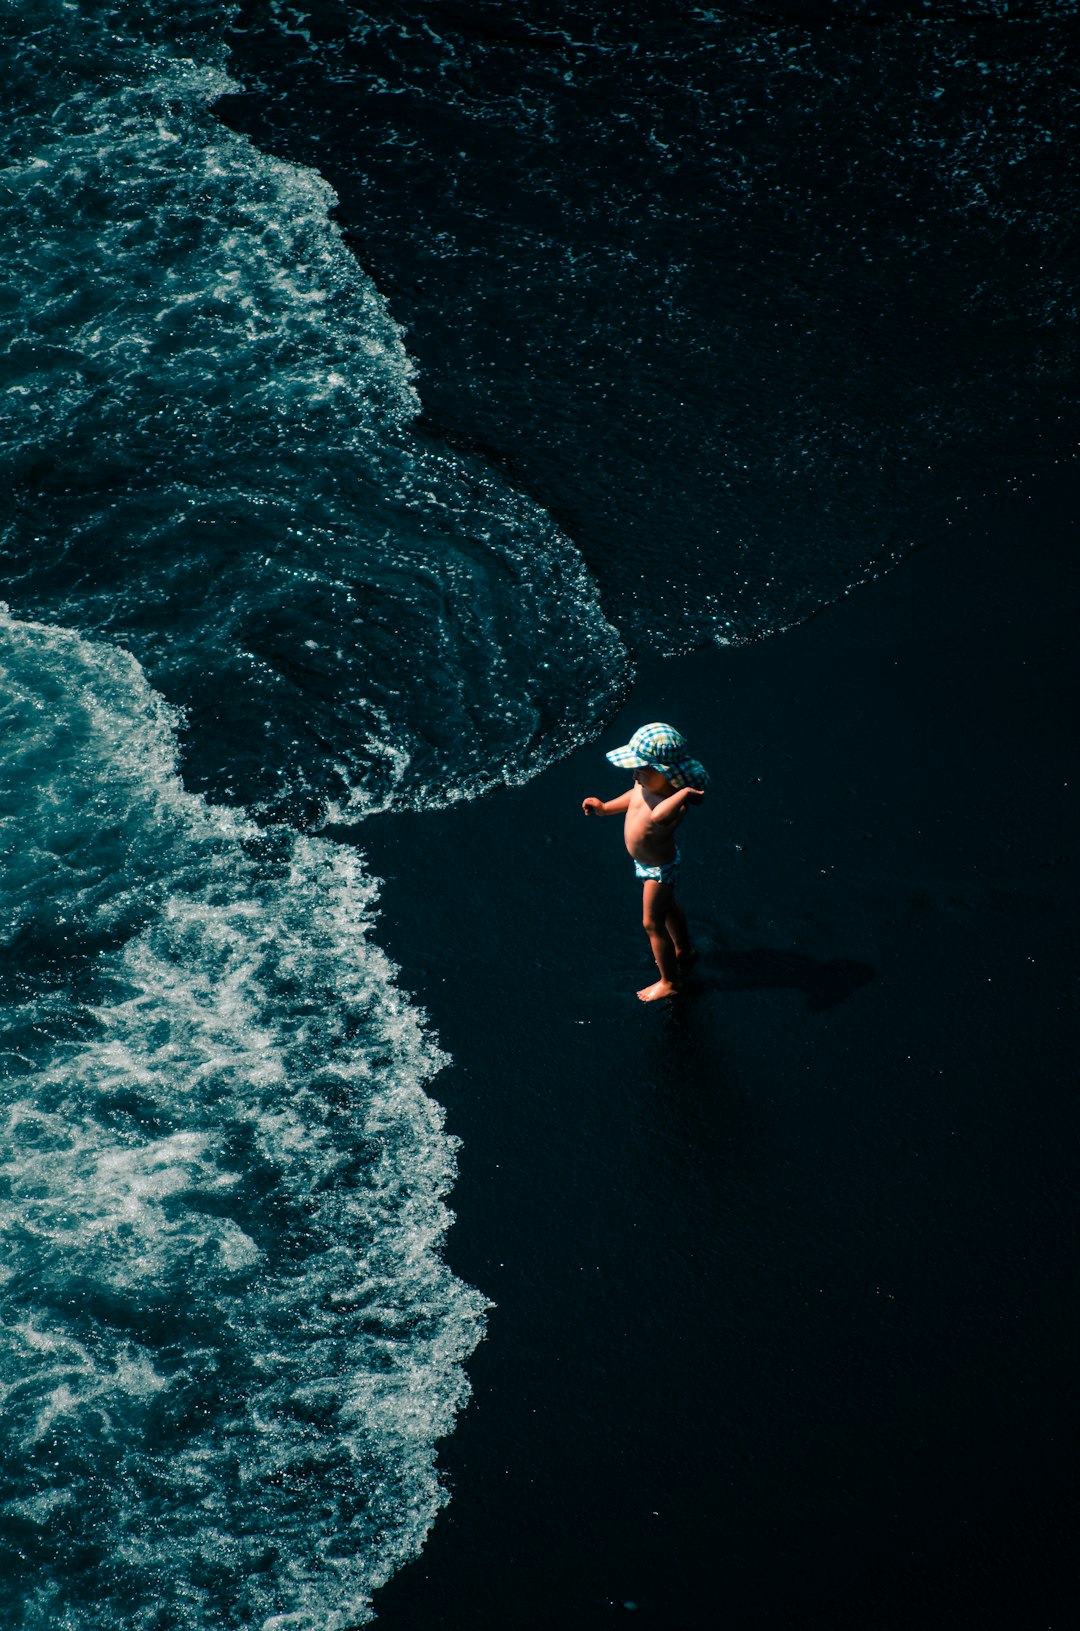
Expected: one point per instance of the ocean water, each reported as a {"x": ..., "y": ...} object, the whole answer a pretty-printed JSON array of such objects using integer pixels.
[
  {"x": 229, "y": 1338},
  {"x": 208, "y": 433},
  {"x": 376, "y": 385},
  {"x": 752, "y": 297}
]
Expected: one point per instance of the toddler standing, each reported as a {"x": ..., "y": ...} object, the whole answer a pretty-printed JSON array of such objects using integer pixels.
[{"x": 666, "y": 780}]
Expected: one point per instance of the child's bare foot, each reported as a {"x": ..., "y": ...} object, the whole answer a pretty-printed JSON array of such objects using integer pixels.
[{"x": 662, "y": 988}]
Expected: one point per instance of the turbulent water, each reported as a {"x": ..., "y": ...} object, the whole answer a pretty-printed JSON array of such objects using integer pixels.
[
  {"x": 208, "y": 430},
  {"x": 229, "y": 1340},
  {"x": 707, "y": 310}
]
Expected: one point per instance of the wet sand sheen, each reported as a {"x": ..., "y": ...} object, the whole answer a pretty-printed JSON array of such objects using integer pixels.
[{"x": 775, "y": 1264}]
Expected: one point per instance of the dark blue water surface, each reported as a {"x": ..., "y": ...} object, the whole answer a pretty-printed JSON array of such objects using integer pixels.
[
  {"x": 379, "y": 386},
  {"x": 740, "y": 292}
]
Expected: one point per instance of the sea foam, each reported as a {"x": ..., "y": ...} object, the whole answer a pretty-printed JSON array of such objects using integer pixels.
[{"x": 229, "y": 1338}]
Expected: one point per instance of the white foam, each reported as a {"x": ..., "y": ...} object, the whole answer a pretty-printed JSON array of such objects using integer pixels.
[{"x": 230, "y": 1339}]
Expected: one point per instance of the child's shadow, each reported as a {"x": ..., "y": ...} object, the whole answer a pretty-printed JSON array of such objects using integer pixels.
[{"x": 825, "y": 983}]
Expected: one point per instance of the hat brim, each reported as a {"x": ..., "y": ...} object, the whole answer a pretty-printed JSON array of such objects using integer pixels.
[
  {"x": 627, "y": 759},
  {"x": 687, "y": 773}
]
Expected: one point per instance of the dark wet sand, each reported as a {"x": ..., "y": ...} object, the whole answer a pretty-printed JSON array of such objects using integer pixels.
[{"x": 785, "y": 1323}]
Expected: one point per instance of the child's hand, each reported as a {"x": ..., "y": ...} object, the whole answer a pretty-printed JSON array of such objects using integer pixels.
[
  {"x": 593, "y": 806},
  {"x": 694, "y": 795}
]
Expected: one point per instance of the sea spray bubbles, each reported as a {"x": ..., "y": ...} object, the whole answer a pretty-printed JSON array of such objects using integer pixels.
[{"x": 229, "y": 1339}]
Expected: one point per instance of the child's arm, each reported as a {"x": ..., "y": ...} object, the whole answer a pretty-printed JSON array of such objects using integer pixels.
[
  {"x": 612, "y": 807},
  {"x": 669, "y": 807}
]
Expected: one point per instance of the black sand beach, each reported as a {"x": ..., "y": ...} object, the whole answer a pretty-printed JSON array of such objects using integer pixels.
[
  {"x": 784, "y": 1322},
  {"x": 378, "y": 381}
]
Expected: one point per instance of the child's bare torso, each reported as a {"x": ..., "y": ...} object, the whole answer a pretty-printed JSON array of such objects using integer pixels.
[{"x": 650, "y": 841}]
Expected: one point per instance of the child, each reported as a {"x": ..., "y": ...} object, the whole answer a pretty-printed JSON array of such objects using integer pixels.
[{"x": 666, "y": 780}]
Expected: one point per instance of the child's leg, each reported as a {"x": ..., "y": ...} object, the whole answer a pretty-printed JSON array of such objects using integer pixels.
[
  {"x": 679, "y": 931},
  {"x": 657, "y": 901}
]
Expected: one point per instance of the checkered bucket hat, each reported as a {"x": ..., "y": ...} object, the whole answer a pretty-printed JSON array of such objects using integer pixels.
[{"x": 665, "y": 750}]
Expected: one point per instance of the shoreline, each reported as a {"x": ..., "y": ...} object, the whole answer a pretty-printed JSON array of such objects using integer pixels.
[{"x": 770, "y": 1261}]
